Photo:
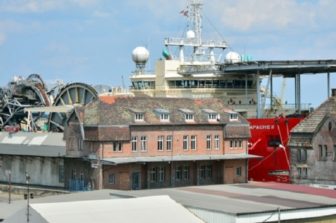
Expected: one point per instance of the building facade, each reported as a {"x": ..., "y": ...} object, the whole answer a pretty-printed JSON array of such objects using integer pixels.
[
  {"x": 313, "y": 147},
  {"x": 136, "y": 143}
]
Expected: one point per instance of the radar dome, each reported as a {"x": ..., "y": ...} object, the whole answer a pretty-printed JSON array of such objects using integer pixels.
[
  {"x": 233, "y": 57},
  {"x": 140, "y": 55},
  {"x": 190, "y": 34}
]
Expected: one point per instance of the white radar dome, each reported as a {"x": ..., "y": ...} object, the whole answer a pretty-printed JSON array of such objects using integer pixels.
[
  {"x": 233, "y": 57},
  {"x": 140, "y": 55},
  {"x": 190, "y": 34}
]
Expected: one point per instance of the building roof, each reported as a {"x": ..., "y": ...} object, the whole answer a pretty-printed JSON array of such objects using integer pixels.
[
  {"x": 143, "y": 210},
  {"x": 120, "y": 110},
  {"x": 312, "y": 123},
  {"x": 251, "y": 202},
  {"x": 32, "y": 144},
  {"x": 145, "y": 159}
]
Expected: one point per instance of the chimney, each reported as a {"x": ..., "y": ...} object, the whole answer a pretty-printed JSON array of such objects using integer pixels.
[{"x": 333, "y": 92}]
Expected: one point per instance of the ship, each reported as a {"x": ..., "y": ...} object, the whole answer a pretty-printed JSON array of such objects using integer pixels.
[{"x": 200, "y": 71}]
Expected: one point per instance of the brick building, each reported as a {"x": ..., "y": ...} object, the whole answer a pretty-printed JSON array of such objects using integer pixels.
[
  {"x": 313, "y": 146},
  {"x": 135, "y": 143}
]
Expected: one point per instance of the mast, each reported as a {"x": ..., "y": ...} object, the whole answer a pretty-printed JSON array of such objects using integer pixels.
[{"x": 195, "y": 17}]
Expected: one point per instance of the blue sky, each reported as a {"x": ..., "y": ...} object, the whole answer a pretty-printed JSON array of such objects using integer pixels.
[{"x": 91, "y": 40}]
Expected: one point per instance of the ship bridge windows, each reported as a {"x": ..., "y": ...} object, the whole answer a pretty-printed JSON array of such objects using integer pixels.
[
  {"x": 138, "y": 85},
  {"x": 239, "y": 84}
]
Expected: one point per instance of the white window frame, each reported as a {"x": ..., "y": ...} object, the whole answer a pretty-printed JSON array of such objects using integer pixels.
[
  {"x": 139, "y": 117},
  {"x": 212, "y": 116},
  {"x": 217, "y": 142},
  {"x": 193, "y": 142},
  {"x": 134, "y": 143},
  {"x": 143, "y": 143},
  {"x": 185, "y": 142},
  {"x": 164, "y": 117},
  {"x": 189, "y": 117},
  {"x": 160, "y": 141},
  {"x": 233, "y": 117},
  {"x": 208, "y": 142},
  {"x": 169, "y": 142}
]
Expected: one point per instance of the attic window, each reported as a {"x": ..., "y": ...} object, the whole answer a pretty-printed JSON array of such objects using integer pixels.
[
  {"x": 188, "y": 114},
  {"x": 139, "y": 117},
  {"x": 189, "y": 117},
  {"x": 163, "y": 114},
  {"x": 211, "y": 114},
  {"x": 233, "y": 117}
]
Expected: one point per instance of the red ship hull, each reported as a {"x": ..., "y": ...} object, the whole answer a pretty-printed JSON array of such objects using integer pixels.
[{"x": 269, "y": 139}]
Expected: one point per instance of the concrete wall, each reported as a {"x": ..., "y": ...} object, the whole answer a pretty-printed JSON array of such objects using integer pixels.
[{"x": 43, "y": 171}]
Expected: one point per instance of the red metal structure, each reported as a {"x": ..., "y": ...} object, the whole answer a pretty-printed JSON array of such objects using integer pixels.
[{"x": 269, "y": 138}]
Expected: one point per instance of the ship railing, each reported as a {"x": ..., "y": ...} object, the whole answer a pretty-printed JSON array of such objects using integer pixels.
[{"x": 194, "y": 43}]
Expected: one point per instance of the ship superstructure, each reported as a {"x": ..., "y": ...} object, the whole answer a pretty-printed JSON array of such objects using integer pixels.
[{"x": 194, "y": 72}]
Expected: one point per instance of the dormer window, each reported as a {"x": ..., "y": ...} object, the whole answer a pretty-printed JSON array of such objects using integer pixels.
[
  {"x": 188, "y": 114},
  {"x": 189, "y": 117},
  {"x": 164, "y": 117},
  {"x": 233, "y": 117},
  {"x": 163, "y": 114},
  {"x": 211, "y": 115},
  {"x": 139, "y": 117}
]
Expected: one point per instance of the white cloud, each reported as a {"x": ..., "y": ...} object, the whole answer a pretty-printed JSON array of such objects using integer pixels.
[
  {"x": 246, "y": 15},
  {"x": 35, "y": 6}
]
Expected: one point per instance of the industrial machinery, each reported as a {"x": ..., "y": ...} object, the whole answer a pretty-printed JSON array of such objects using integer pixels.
[{"x": 26, "y": 104}]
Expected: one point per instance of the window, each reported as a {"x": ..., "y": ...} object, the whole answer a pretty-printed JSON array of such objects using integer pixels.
[
  {"x": 111, "y": 178},
  {"x": 139, "y": 116},
  {"x": 208, "y": 142},
  {"x": 323, "y": 152},
  {"x": 189, "y": 117},
  {"x": 169, "y": 142},
  {"x": 233, "y": 116},
  {"x": 209, "y": 171},
  {"x": 61, "y": 172},
  {"x": 185, "y": 142},
  {"x": 161, "y": 174},
  {"x": 153, "y": 174},
  {"x": 236, "y": 144},
  {"x": 178, "y": 173},
  {"x": 202, "y": 172},
  {"x": 143, "y": 143},
  {"x": 212, "y": 117},
  {"x": 134, "y": 143},
  {"x": 116, "y": 146},
  {"x": 302, "y": 155},
  {"x": 216, "y": 141},
  {"x": 334, "y": 158},
  {"x": 302, "y": 172},
  {"x": 164, "y": 117},
  {"x": 193, "y": 142},
  {"x": 186, "y": 172},
  {"x": 160, "y": 143},
  {"x": 238, "y": 171}
]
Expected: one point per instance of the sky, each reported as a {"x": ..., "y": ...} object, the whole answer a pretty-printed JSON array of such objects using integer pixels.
[{"x": 91, "y": 41}]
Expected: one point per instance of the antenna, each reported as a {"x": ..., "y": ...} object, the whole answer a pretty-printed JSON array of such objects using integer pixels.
[{"x": 196, "y": 19}]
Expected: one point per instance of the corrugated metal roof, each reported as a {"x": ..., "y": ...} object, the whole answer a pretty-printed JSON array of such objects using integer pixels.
[
  {"x": 32, "y": 144},
  {"x": 145, "y": 159}
]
